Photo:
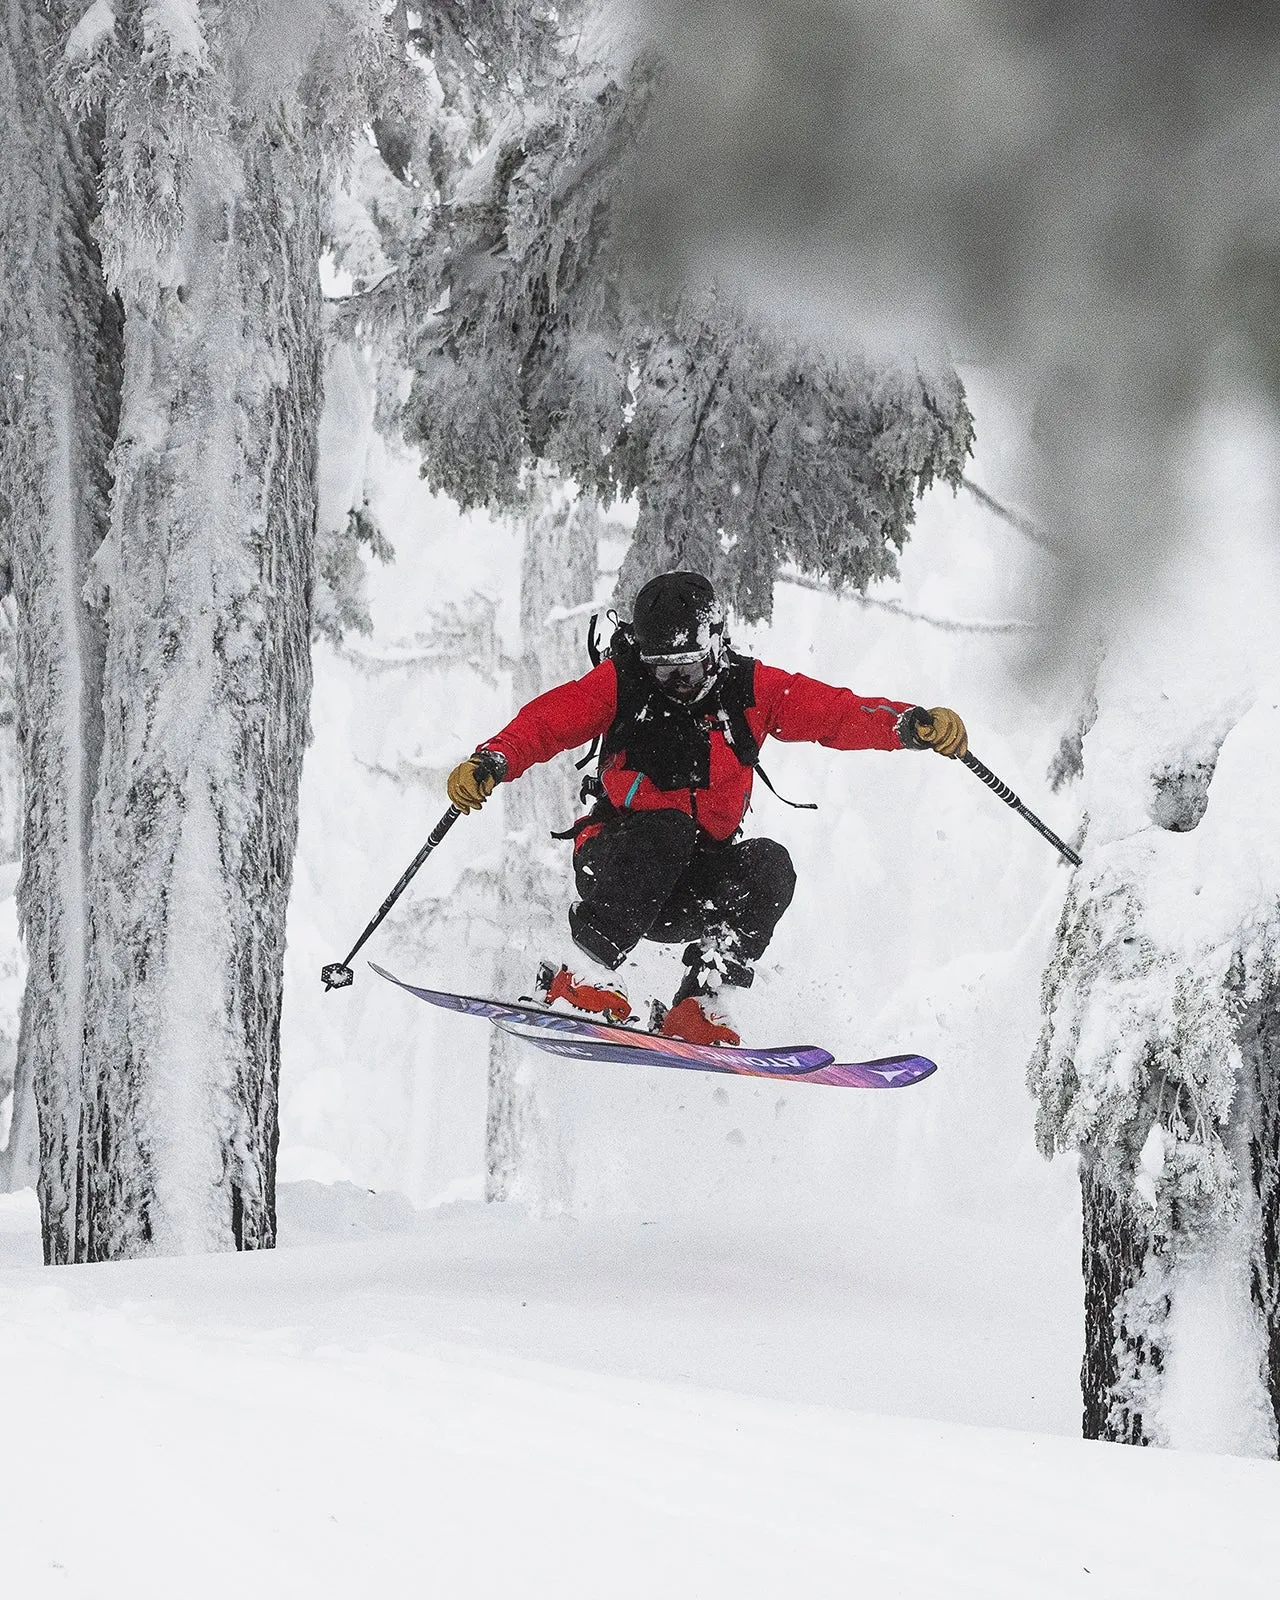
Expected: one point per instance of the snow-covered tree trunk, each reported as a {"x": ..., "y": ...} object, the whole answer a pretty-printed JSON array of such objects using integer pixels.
[
  {"x": 60, "y": 330},
  {"x": 1260, "y": 1046},
  {"x": 19, "y": 1158},
  {"x": 10, "y": 761},
  {"x": 215, "y": 124},
  {"x": 1124, "y": 1345},
  {"x": 206, "y": 577},
  {"x": 558, "y": 573},
  {"x": 1160, "y": 1056}
]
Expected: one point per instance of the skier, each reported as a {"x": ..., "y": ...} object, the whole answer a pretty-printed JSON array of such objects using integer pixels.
[{"x": 681, "y": 717}]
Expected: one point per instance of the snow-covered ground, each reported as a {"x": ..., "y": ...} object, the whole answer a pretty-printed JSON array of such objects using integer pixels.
[{"x": 467, "y": 1403}]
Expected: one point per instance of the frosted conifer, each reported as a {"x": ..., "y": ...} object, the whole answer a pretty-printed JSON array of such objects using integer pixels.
[
  {"x": 1159, "y": 1054},
  {"x": 163, "y": 725},
  {"x": 532, "y": 338}
]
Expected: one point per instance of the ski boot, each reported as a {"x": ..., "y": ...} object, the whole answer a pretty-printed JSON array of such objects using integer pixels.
[
  {"x": 695, "y": 1015},
  {"x": 609, "y": 1004},
  {"x": 694, "y": 1020}
]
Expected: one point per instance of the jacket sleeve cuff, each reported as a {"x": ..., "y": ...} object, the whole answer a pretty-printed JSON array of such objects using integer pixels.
[
  {"x": 496, "y": 762},
  {"x": 907, "y": 727}
]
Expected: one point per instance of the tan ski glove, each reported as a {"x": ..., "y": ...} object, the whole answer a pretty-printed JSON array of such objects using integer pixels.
[
  {"x": 939, "y": 730},
  {"x": 471, "y": 781}
]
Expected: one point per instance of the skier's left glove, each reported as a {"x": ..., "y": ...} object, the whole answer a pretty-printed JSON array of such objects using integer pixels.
[
  {"x": 939, "y": 730},
  {"x": 471, "y": 781}
]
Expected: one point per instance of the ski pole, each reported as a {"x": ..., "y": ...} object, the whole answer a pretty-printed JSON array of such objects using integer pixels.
[
  {"x": 1006, "y": 794},
  {"x": 338, "y": 974}
]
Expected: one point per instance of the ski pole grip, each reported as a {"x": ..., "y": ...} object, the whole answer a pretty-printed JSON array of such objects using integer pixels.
[
  {"x": 489, "y": 764},
  {"x": 441, "y": 828},
  {"x": 997, "y": 786}
]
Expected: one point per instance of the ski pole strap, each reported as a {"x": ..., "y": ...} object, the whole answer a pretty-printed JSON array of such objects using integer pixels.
[{"x": 1001, "y": 789}]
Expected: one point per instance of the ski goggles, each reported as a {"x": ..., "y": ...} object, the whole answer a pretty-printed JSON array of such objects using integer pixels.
[{"x": 682, "y": 674}]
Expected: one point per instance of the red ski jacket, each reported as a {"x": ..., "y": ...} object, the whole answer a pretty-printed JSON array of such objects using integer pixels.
[{"x": 788, "y": 706}]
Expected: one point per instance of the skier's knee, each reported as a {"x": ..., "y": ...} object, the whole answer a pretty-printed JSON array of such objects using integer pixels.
[
  {"x": 771, "y": 872},
  {"x": 605, "y": 943}
]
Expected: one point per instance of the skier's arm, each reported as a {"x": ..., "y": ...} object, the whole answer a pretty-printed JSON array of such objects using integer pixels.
[
  {"x": 797, "y": 710},
  {"x": 559, "y": 720}
]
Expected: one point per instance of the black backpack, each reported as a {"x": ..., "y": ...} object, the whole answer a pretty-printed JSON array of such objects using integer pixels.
[{"x": 667, "y": 741}]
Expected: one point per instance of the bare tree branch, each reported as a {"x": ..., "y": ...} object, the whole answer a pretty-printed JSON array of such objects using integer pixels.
[
  {"x": 947, "y": 624},
  {"x": 1015, "y": 519}
]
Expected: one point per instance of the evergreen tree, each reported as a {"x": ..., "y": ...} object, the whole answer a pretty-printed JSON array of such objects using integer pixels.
[
  {"x": 218, "y": 123},
  {"x": 459, "y": 70},
  {"x": 1159, "y": 1053},
  {"x": 533, "y": 336}
]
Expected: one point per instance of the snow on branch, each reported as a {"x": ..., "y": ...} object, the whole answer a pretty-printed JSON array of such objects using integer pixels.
[
  {"x": 534, "y": 336},
  {"x": 947, "y": 624},
  {"x": 1015, "y": 519},
  {"x": 92, "y": 31},
  {"x": 173, "y": 34}
]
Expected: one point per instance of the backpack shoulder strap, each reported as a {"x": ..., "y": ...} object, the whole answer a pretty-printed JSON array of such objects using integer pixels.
[{"x": 739, "y": 693}]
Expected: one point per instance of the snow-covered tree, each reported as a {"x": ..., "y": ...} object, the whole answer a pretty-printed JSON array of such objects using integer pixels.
[
  {"x": 217, "y": 124},
  {"x": 534, "y": 335},
  {"x": 1160, "y": 1056},
  {"x": 458, "y": 69},
  {"x": 557, "y": 580},
  {"x": 161, "y": 246}
]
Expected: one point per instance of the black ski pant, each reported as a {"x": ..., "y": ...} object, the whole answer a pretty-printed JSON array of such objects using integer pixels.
[{"x": 655, "y": 875}]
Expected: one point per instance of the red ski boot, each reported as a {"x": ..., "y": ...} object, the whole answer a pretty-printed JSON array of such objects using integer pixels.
[
  {"x": 610, "y": 1004},
  {"x": 695, "y": 1022}
]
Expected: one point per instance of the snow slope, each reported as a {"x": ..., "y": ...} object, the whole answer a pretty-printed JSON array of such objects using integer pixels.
[{"x": 471, "y": 1404}]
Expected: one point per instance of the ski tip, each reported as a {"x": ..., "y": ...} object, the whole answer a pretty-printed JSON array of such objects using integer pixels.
[
  {"x": 886, "y": 1072},
  {"x": 896, "y": 1072}
]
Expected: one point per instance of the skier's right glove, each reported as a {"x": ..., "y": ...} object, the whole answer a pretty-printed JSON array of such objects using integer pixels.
[
  {"x": 471, "y": 781},
  {"x": 940, "y": 730}
]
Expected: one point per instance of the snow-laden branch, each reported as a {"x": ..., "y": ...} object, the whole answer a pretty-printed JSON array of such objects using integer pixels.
[
  {"x": 1015, "y": 519},
  {"x": 948, "y": 624}
]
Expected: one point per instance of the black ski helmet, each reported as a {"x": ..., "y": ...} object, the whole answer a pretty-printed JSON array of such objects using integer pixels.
[
  {"x": 679, "y": 631},
  {"x": 676, "y": 614}
]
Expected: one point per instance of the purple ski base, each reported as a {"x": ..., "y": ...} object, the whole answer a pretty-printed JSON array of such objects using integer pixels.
[{"x": 562, "y": 1034}]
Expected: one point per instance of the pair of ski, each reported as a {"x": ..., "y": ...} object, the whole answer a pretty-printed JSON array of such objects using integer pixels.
[{"x": 581, "y": 1038}]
